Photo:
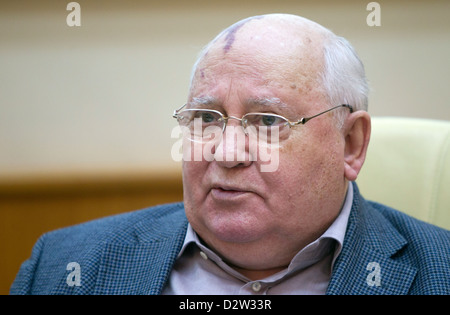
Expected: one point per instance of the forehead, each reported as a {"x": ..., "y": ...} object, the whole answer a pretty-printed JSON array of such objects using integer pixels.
[
  {"x": 253, "y": 82},
  {"x": 270, "y": 57},
  {"x": 275, "y": 55}
]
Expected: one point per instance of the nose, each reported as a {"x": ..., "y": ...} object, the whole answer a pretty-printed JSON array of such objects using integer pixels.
[
  {"x": 241, "y": 121},
  {"x": 233, "y": 149}
]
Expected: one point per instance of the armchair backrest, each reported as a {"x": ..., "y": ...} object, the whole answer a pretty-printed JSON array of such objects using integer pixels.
[{"x": 408, "y": 167}]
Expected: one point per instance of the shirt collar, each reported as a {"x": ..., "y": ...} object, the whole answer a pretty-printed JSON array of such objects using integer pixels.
[
  {"x": 339, "y": 226},
  {"x": 331, "y": 239},
  {"x": 310, "y": 254}
]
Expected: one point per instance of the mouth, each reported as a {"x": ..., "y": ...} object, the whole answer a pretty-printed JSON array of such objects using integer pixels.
[{"x": 220, "y": 192}]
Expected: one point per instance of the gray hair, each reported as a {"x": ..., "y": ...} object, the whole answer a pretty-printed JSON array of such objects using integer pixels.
[{"x": 343, "y": 76}]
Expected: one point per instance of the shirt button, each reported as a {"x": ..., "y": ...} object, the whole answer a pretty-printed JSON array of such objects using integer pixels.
[
  {"x": 256, "y": 286},
  {"x": 203, "y": 255}
]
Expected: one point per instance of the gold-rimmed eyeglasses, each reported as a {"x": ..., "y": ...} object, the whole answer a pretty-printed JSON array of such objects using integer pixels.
[{"x": 206, "y": 124}]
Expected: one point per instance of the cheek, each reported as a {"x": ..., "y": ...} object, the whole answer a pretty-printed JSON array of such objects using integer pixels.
[
  {"x": 193, "y": 191},
  {"x": 193, "y": 172},
  {"x": 310, "y": 166},
  {"x": 306, "y": 187}
]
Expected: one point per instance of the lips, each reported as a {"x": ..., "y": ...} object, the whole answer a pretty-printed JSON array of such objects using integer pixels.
[
  {"x": 228, "y": 192},
  {"x": 230, "y": 188}
]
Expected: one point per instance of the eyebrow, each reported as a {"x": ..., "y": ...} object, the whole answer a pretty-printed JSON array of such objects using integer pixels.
[
  {"x": 270, "y": 102},
  {"x": 207, "y": 101},
  {"x": 274, "y": 104}
]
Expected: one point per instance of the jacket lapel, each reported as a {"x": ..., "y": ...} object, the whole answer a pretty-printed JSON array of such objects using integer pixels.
[
  {"x": 143, "y": 265},
  {"x": 367, "y": 264}
]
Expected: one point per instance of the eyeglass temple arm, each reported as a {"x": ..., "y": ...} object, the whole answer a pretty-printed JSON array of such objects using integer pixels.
[
  {"x": 175, "y": 112},
  {"x": 304, "y": 120}
]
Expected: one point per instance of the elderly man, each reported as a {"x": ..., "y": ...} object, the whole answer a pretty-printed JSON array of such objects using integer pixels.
[{"x": 297, "y": 227}]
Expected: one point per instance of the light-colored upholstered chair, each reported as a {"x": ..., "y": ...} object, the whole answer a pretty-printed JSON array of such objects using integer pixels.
[{"x": 408, "y": 167}]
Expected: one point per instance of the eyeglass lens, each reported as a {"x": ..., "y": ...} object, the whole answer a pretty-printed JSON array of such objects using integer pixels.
[{"x": 205, "y": 125}]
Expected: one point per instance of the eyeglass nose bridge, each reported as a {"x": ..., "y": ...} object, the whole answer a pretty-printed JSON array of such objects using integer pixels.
[{"x": 242, "y": 120}]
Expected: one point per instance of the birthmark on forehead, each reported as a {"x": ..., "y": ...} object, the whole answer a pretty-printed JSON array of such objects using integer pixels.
[{"x": 232, "y": 30}]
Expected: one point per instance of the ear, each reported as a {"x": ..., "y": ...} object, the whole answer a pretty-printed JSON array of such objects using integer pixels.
[{"x": 357, "y": 130}]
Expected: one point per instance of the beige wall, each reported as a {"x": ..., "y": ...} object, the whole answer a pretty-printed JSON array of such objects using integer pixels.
[{"x": 99, "y": 98}]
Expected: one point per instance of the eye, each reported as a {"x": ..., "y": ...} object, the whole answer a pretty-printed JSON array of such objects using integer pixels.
[
  {"x": 207, "y": 117},
  {"x": 263, "y": 120},
  {"x": 269, "y": 120}
]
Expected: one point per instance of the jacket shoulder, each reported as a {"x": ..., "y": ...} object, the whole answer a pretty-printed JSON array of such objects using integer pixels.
[
  {"x": 53, "y": 255},
  {"x": 121, "y": 227},
  {"x": 116, "y": 228}
]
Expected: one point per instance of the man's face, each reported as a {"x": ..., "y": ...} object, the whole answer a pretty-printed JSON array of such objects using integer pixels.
[{"x": 233, "y": 206}]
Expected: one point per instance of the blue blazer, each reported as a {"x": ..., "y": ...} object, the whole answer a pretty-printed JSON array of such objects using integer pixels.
[{"x": 384, "y": 252}]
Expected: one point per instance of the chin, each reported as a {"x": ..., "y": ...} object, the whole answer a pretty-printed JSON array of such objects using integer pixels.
[
  {"x": 233, "y": 228},
  {"x": 232, "y": 222}
]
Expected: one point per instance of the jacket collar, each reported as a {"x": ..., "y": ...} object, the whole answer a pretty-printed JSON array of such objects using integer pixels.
[{"x": 366, "y": 264}]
